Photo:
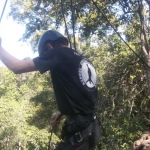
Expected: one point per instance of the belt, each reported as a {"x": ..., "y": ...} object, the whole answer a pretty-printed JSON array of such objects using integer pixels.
[
  {"x": 80, "y": 117},
  {"x": 78, "y": 137}
]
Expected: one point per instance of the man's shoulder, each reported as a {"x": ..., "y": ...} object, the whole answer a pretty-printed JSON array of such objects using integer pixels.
[{"x": 65, "y": 51}]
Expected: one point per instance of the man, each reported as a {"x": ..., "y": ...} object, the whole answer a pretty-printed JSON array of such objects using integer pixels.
[{"x": 75, "y": 86}]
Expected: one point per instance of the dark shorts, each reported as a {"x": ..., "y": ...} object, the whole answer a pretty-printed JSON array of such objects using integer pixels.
[{"x": 88, "y": 143}]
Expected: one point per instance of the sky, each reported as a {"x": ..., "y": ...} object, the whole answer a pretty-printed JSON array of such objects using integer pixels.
[{"x": 11, "y": 32}]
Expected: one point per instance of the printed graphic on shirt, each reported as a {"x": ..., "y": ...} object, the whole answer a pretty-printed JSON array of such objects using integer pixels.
[{"x": 87, "y": 75}]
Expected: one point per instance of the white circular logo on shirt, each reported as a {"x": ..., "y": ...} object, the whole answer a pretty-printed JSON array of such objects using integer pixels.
[{"x": 87, "y": 75}]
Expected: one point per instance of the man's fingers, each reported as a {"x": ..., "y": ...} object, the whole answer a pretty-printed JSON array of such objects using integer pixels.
[
  {"x": 55, "y": 116},
  {"x": 54, "y": 123},
  {"x": 55, "y": 119}
]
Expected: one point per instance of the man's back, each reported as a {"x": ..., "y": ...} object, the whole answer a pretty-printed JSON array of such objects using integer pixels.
[{"x": 74, "y": 80}]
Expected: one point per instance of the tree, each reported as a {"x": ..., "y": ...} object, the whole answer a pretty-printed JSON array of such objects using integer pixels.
[
  {"x": 26, "y": 108},
  {"x": 123, "y": 100}
]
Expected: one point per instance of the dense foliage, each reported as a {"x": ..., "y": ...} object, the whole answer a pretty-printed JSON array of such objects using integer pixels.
[
  {"x": 28, "y": 101},
  {"x": 26, "y": 108}
]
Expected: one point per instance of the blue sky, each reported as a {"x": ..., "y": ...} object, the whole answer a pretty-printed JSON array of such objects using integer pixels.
[{"x": 10, "y": 33}]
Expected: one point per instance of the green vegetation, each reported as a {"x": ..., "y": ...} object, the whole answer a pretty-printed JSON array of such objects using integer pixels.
[{"x": 28, "y": 101}]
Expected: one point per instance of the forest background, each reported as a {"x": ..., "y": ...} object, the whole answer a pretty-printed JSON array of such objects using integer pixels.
[{"x": 114, "y": 35}]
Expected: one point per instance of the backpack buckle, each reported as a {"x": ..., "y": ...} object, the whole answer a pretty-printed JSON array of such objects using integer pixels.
[{"x": 78, "y": 137}]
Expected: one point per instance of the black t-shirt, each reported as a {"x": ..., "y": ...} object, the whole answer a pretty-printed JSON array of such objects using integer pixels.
[{"x": 74, "y": 80}]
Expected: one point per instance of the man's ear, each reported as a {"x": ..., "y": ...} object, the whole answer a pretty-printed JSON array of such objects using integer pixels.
[{"x": 49, "y": 46}]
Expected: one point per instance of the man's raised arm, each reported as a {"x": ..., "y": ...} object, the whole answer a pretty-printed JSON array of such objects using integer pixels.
[{"x": 14, "y": 64}]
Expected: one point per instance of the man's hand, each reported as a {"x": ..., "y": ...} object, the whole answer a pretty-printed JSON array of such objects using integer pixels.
[
  {"x": 14, "y": 64},
  {"x": 55, "y": 120}
]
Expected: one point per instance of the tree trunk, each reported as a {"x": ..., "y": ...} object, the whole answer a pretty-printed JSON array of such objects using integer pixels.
[
  {"x": 145, "y": 44},
  {"x": 148, "y": 74}
]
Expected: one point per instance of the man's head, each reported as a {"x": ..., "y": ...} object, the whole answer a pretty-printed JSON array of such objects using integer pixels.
[{"x": 51, "y": 39}]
